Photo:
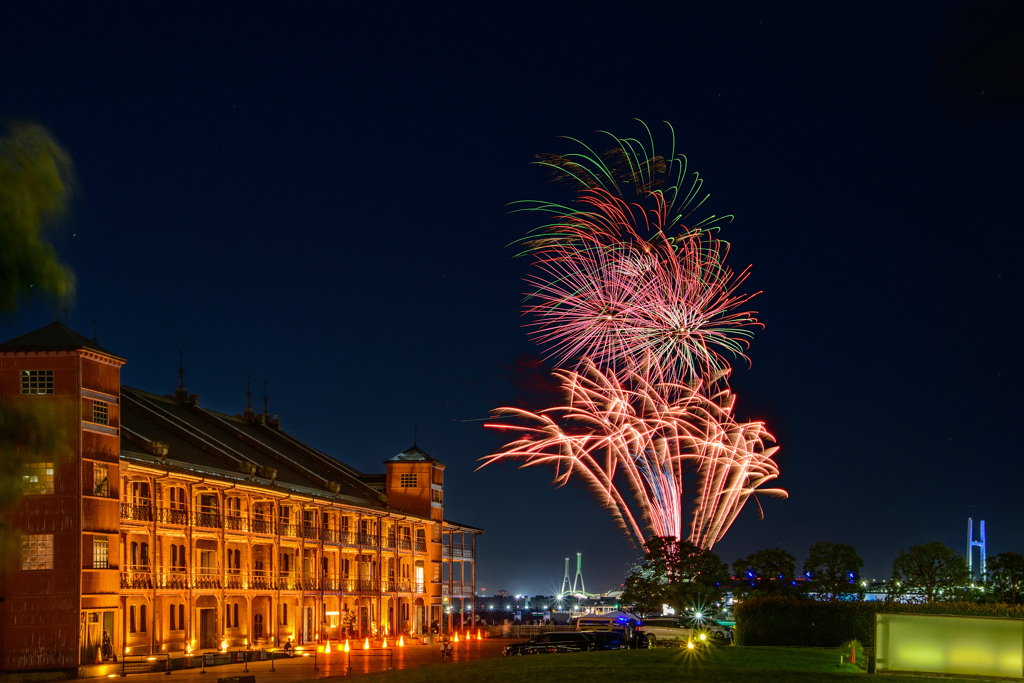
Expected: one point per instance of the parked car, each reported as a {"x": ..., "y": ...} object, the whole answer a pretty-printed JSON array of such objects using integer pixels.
[
  {"x": 555, "y": 641},
  {"x": 665, "y": 628},
  {"x": 711, "y": 627},
  {"x": 609, "y": 640}
]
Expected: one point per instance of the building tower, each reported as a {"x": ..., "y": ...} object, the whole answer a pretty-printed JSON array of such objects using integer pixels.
[
  {"x": 579, "y": 574},
  {"x": 566, "y": 587},
  {"x": 970, "y": 546}
]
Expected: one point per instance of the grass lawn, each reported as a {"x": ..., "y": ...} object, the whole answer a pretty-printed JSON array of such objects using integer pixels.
[{"x": 739, "y": 664}]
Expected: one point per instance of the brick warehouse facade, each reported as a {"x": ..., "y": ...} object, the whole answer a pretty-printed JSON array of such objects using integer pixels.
[{"x": 173, "y": 528}]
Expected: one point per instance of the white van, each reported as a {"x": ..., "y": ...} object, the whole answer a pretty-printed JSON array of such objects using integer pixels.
[
  {"x": 665, "y": 628},
  {"x": 613, "y": 621}
]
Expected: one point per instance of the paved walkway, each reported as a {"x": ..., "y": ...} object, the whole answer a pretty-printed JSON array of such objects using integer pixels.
[{"x": 333, "y": 664}]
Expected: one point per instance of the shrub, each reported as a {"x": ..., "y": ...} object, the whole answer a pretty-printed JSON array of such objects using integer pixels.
[
  {"x": 858, "y": 651},
  {"x": 788, "y": 621}
]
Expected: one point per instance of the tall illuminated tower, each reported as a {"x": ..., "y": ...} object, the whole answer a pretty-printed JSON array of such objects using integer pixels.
[
  {"x": 579, "y": 575},
  {"x": 566, "y": 587},
  {"x": 970, "y": 546}
]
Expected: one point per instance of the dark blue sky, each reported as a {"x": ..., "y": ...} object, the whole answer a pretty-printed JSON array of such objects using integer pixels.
[{"x": 316, "y": 196}]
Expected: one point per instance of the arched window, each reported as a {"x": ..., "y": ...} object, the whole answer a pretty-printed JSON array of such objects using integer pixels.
[
  {"x": 142, "y": 618},
  {"x": 174, "y": 558},
  {"x": 181, "y": 617},
  {"x": 134, "y": 561},
  {"x": 172, "y": 615},
  {"x": 257, "y": 626},
  {"x": 131, "y": 619},
  {"x": 181, "y": 556},
  {"x": 324, "y": 565},
  {"x": 236, "y": 615},
  {"x": 227, "y": 615},
  {"x": 145, "y": 555}
]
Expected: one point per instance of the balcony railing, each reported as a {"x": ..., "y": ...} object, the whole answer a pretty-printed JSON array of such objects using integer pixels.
[
  {"x": 288, "y": 529},
  {"x": 456, "y": 589},
  {"x": 421, "y": 546},
  {"x": 133, "y": 512},
  {"x": 456, "y": 552},
  {"x": 206, "y": 579},
  {"x": 261, "y": 525},
  {"x": 169, "y": 516},
  {"x": 366, "y": 539},
  {"x": 173, "y": 580},
  {"x": 330, "y": 535},
  {"x": 260, "y": 581},
  {"x": 347, "y": 538},
  {"x": 137, "y": 578},
  {"x": 404, "y": 544},
  {"x": 208, "y": 519},
  {"x": 236, "y": 523},
  {"x": 419, "y": 588}
]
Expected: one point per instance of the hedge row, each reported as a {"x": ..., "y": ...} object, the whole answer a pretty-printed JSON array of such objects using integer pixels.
[{"x": 789, "y": 621}]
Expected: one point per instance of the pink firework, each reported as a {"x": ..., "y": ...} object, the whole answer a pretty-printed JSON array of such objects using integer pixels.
[
  {"x": 663, "y": 309},
  {"x": 616, "y": 434}
]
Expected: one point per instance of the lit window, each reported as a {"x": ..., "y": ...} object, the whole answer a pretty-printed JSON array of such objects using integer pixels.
[
  {"x": 437, "y": 496},
  {"x": 36, "y": 552},
  {"x": 99, "y": 553},
  {"x": 408, "y": 481},
  {"x": 36, "y": 382},
  {"x": 38, "y": 478},
  {"x": 99, "y": 412},
  {"x": 100, "y": 480}
]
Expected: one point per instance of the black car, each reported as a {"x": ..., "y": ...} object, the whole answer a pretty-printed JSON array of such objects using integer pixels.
[
  {"x": 556, "y": 641},
  {"x": 618, "y": 640}
]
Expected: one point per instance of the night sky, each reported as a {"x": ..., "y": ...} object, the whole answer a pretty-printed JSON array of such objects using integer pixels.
[{"x": 317, "y": 196}]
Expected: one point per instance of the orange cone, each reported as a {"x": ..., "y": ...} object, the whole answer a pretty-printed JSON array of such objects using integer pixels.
[{"x": 853, "y": 654}]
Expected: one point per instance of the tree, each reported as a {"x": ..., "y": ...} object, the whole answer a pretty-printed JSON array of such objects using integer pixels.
[
  {"x": 1006, "y": 575},
  {"x": 645, "y": 590},
  {"x": 694, "y": 575},
  {"x": 933, "y": 571},
  {"x": 768, "y": 572},
  {"x": 833, "y": 571},
  {"x": 35, "y": 176},
  {"x": 677, "y": 573}
]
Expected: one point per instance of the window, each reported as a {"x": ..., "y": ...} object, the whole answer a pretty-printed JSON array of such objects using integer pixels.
[
  {"x": 227, "y": 615},
  {"x": 345, "y": 568},
  {"x": 171, "y": 625},
  {"x": 99, "y": 412},
  {"x": 99, "y": 553},
  {"x": 35, "y": 382},
  {"x": 131, "y": 619},
  {"x": 436, "y": 497},
  {"x": 145, "y": 555},
  {"x": 36, "y": 552},
  {"x": 100, "y": 480},
  {"x": 181, "y": 616},
  {"x": 142, "y": 618},
  {"x": 437, "y": 572},
  {"x": 37, "y": 479},
  {"x": 235, "y": 622},
  {"x": 284, "y": 615},
  {"x": 407, "y": 481}
]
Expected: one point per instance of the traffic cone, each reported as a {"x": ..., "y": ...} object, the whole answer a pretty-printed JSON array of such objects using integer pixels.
[{"x": 853, "y": 654}]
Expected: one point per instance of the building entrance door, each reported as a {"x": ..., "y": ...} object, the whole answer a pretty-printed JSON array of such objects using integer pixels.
[
  {"x": 208, "y": 629},
  {"x": 307, "y": 625}
]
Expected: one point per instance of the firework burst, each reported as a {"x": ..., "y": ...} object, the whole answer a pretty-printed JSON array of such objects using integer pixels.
[
  {"x": 610, "y": 433},
  {"x": 659, "y": 308},
  {"x": 634, "y": 300}
]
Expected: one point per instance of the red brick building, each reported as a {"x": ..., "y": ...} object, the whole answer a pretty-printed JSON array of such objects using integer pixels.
[{"x": 169, "y": 528}]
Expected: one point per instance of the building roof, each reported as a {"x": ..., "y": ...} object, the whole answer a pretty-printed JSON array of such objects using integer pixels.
[
  {"x": 414, "y": 454},
  {"x": 203, "y": 438},
  {"x": 54, "y": 337}
]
